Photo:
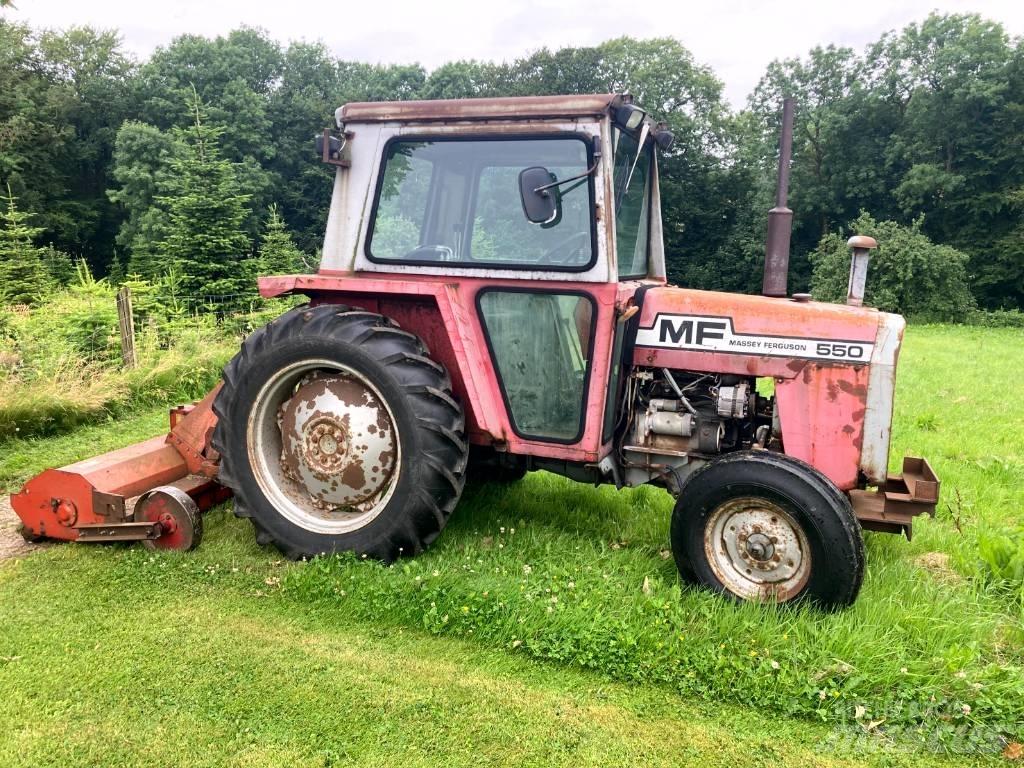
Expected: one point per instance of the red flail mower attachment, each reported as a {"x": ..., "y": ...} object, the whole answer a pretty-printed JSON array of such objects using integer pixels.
[{"x": 173, "y": 476}]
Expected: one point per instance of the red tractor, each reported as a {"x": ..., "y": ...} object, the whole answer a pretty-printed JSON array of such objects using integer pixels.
[{"x": 492, "y": 300}]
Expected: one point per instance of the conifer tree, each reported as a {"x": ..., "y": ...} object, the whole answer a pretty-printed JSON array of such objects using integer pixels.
[
  {"x": 23, "y": 276},
  {"x": 115, "y": 272},
  {"x": 58, "y": 264},
  {"x": 204, "y": 237},
  {"x": 278, "y": 253}
]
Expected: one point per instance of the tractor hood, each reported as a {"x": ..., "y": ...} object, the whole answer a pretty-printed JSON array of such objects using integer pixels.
[{"x": 833, "y": 366}]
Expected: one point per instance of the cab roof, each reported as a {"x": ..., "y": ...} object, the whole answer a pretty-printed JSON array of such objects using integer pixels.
[{"x": 509, "y": 108}]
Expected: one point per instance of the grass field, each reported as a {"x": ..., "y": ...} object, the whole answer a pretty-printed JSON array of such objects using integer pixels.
[{"x": 546, "y": 627}]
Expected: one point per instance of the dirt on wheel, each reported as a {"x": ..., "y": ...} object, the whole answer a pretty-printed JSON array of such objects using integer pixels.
[{"x": 11, "y": 542}]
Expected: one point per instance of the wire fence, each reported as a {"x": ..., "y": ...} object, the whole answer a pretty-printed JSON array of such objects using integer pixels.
[{"x": 99, "y": 326}]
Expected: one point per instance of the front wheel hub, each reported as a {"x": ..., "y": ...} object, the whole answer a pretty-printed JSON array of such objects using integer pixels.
[{"x": 757, "y": 549}]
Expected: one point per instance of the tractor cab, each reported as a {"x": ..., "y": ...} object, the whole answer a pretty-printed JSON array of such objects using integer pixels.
[
  {"x": 542, "y": 188},
  {"x": 544, "y": 211}
]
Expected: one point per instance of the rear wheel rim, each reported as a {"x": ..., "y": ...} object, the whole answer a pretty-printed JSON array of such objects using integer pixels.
[
  {"x": 757, "y": 550},
  {"x": 323, "y": 446}
]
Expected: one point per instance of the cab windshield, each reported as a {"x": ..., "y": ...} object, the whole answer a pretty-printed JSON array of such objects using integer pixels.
[{"x": 632, "y": 203}]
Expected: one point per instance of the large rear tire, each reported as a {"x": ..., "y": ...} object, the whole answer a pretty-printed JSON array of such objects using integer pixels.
[
  {"x": 763, "y": 526},
  {"x": 336, "y": 431}
]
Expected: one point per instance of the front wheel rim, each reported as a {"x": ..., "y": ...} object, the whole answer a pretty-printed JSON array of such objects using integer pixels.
[
  {"x": 757, "y": 550},
  {"x": 323, "y": 446}
]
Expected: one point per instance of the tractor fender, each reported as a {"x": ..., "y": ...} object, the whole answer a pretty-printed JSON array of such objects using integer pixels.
[{"x": 441, "y": 313}]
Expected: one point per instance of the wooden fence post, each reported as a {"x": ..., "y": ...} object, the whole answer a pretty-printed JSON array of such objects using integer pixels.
[{"x": 126, "y": 325}]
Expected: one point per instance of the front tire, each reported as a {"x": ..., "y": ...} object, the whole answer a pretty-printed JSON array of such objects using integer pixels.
[
  {"x": 763, "y": 526},
  {"x": 337, "y": 432}
]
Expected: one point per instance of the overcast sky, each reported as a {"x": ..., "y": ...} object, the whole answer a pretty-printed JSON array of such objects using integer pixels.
[{"x": 736, "y": 37}]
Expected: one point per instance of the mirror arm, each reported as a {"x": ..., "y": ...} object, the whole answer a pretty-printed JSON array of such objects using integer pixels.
[{"x": 588, "y": 172}]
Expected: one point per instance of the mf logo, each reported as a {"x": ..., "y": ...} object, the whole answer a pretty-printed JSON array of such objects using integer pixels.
[{"x": 690, "y": 331}]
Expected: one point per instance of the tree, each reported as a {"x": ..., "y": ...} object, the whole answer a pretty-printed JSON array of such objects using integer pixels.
[
  {"x": 824, "y": 86},
  {"x": 278, "y": 254},
  {"x": 234, "y": 76},
  {"x": 204, "y": 236},
  {"x": 33, "y": 136},
  {"x": 464, "y": 80},
  {"x": 142, "y": 167},
  {"x": 23, "y": 277},
  {"x": 89, "y": 90},
  {"x": 908, "y": 273},
  {"x": 955, "y": 83},
  {"x": 301, "y": 105}
]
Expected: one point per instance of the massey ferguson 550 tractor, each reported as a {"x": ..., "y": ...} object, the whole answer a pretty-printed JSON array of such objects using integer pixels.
[{"x": 492, "y": 300}]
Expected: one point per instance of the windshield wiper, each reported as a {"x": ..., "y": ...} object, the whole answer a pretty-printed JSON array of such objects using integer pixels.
[{"x": 639, "y": 151}]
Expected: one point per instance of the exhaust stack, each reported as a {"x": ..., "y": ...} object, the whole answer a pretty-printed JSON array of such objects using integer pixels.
[
  {"x": 861, "y": 246},
  {"x": 780, "y": 218}
]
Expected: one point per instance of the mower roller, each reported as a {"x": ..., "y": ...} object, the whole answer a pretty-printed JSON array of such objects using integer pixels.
[{"x": 492, "y": 300}]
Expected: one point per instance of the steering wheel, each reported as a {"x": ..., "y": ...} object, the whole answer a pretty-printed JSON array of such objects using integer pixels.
[{"x": 571, "y": 245}]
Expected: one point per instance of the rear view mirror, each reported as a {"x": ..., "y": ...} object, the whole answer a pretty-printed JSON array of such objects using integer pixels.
[{"x": 539, "y": 197}]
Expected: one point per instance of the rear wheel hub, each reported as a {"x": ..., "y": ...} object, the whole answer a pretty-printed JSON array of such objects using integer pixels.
[
  {"x": 337, "y": 440},
  {"x": 324, "y": 446}
]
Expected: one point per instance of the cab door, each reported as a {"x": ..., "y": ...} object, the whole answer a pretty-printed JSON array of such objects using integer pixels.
[{"x": 540, "y": 343}]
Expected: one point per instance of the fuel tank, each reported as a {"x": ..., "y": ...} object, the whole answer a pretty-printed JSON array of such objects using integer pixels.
[{"x": 833, "y": 367}]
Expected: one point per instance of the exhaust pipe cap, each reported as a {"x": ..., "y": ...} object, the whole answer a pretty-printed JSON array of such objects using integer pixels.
[{"x": 861, "y": 241}]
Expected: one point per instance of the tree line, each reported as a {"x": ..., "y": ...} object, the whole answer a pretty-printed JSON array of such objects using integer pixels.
[{"x": 201, "y": 157}]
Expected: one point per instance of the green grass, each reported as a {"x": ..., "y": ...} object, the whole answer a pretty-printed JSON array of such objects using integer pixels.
[
  {"x": 551, "y": 596},
  {"x": 131, "y": 660}
]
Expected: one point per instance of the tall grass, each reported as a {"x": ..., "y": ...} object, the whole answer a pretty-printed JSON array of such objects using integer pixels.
[{"x": 60, "y": 363}]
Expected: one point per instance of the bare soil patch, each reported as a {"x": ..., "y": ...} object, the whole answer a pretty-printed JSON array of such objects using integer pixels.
[{"x": 11, "y": 542}]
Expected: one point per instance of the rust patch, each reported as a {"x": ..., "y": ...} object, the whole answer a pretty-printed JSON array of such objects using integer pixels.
[
  {"x": 353, "y": 476},
  {"x": 512, "y": 108},
  {"x": 860, "y": 391},
  {"x": 833, "y": 391},
  {"x": 349, "y": 391}
]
